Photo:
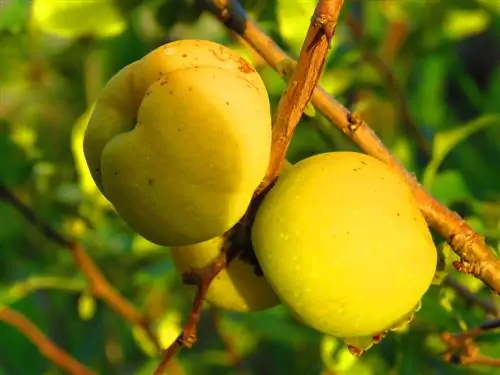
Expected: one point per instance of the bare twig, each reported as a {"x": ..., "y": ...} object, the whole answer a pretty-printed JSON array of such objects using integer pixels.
[
  {"x": 302, "y": 83},
  {"x": 393, "y": 86},
  {"x": 476, "y": 257},
  {"x": 462, "y": 348},
  {"x": 469, "y": 297},
  {"x": 46, "y": 346},
  {"x": 202, "y": 278},
  {"x": 99, "y": 286}
]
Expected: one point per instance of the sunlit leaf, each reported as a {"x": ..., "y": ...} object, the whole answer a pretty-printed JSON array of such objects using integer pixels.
[
  {"x": 446, "y": 257},
  {"x": 294, "y": 18},
  {"x": 87, "y": 184},
  {"x": 86, "y": 306},
  {"x": 450, "y": 186},
  {"x": 460, "y": 24},
  {"x": 169, "y": 327},
  {"x": 335, "y": 359},
  {"x": 444, "y": 142},
  {"x": 77, "y": 18},
  {"x": 144, "y": 342}
]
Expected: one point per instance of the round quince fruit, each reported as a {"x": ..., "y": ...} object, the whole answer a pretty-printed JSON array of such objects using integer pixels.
[
  {"x": 236, "y": 288},
  {"x": 341, "y": 240},
  {"x": 179, "y": 140}
]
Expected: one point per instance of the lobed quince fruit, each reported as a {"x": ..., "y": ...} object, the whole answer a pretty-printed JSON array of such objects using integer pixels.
[
  {"x": 342, "y": 241},
  {"x": 236, "y": 288},
  {"x": 179, "y": 140}
]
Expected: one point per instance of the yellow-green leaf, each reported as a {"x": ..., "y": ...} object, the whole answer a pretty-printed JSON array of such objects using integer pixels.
[
  {"x": 77, "y": 18},
  {"x": 86, "y": 306},
  {"x": 445, "y": 141},
  {"x": 461, "y": 23}
]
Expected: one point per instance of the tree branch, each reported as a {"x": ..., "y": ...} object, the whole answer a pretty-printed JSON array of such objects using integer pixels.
[
  {"x": 470, "y": 297},
  {"x": 202, "y": 278},
  {"x": 393, "y": 87},
  {"x": 302, "y": 83},
  {"x": 99, "y": 286},
  {"x": 462, "y": 348},
  {"x": 476, "y": 257},
  {"x": 46, "y": 346}
]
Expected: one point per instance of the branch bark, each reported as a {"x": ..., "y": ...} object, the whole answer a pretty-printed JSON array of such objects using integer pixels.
[
  {"x": 302, "y": 83},
  {"x": 476, "y": 258},
  {"x": 46, "y": 346},
  {"x": 394, "y": 88},
  {"x": 99, "y": 286}
]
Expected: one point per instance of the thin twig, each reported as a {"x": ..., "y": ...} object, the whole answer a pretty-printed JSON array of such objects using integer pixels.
[
  {"x": 46, "y": 346},
  {"x": 462, "y": 348},
  {"x": 302, "y": 83},
  {"x": 476, "y": 257},
  {"x": 470, "y": 297},
  {"x": 99, "y": 286},
  {"x": 393, "y": 86},
  {"x": 202, "y": 278}
]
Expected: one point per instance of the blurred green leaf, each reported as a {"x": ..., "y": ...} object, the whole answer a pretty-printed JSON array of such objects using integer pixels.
[
  {"x": 293, "y": 21},
  {"x": 464, "y": 23},
  {"x": 450, "y": 186},
  {"x": 78, "y": 18},
  {"x": 445, "y": 141},
  {"x": 86, "y": 305},
  {"x": 18, "y": 168},
  {"x": 13, "y": 15}
]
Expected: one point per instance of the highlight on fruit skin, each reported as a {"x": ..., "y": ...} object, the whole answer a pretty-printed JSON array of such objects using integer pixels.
[
  {"x": 236, "y": 288},
  {"x": 344, "y": 245},
  {"x": 179, "y": 140}
]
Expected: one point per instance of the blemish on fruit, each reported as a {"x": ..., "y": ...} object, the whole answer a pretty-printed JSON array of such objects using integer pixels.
[
  {"x": 378, "y": 338},
  {"x": 244, "y": 66},
  {"x": 355, "y": 351},
  {"x": 115, "y": 173},
  {"x": 150, "y": 182},
  {"x": 184, "y": 55},
  {"x": 227, "y": 103}
]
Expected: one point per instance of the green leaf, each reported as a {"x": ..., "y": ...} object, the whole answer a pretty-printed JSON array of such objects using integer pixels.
[
  {"x": 294, "y": 18},
  {"x": 13, "y": 15},
  {"x": 449, "y": 186},
  {"x": 86, "y": 306},
  {"x": 19, "y": 167},
  {"x": 78, "y": 18},
  {"x": 445, "y": 141},
  {"x": 463, "y": 23},
  {"x": 446, "y": 257}
]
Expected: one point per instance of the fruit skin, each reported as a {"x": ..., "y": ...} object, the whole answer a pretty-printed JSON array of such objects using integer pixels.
[
  {"x": 342, "y": 242},
  {"x": 179, "y": 140},
  {"x": 236, "y": 288}
]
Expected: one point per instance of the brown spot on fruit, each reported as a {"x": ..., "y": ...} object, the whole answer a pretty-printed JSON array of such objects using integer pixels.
[
  {"x": 355, "y": 351},
  {"x": 244, "y": 66}
]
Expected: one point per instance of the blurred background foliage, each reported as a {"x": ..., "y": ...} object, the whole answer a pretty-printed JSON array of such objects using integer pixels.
[{"x": 55, "y": 57}]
